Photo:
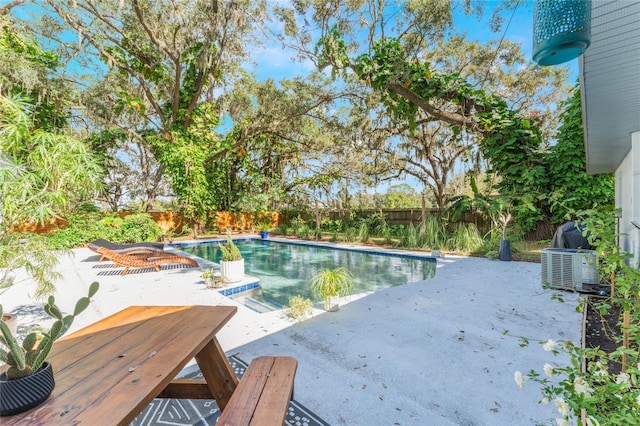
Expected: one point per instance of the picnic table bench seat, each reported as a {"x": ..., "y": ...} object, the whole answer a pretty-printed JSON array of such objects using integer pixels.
[{"x": 263, "y": 393}]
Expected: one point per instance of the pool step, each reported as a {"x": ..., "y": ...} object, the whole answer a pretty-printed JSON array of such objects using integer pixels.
[
  {"x": 254, "y": 300},
  {"x": 261, "y": 306}
]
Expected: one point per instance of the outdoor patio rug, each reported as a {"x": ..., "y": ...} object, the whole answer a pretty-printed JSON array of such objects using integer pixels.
[{"x": 203, "y": 412}]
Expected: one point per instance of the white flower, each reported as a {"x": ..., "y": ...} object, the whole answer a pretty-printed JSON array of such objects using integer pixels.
[
  {"x": 544, "y": 400},
  {"x": 562, "y": 422},
  {"x": 592, "y": 421},
  {"x": 581, "y": 386},
  {"x": 562, "y": 406},
  {"x": 601, "y": 371},
  {"x": 519, "y": 379},
  {"x": 550, "y": 345},
  {"x": 622, "y": 378},
  {"x": 548, "y": 370}
]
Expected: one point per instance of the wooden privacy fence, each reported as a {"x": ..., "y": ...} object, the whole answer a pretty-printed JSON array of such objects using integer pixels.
[
  {"x": 236, "y": 221},
  {"x": 172, "y": 221},
  {"x": 221, "y": 221},
  {"x": 166, "y": 220},
  {"x": 414, "y": 216}
]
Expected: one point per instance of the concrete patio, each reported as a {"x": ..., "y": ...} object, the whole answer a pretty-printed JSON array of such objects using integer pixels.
[{"x": 427, "y": 353}]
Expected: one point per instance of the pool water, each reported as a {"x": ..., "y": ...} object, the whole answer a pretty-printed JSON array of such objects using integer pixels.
[{"x": 285, "y": 269}]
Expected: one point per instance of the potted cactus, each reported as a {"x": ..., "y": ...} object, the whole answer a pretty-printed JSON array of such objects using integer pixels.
[
  {"x": 231, "y": 263},
  {"x": 29, "y": 380}
]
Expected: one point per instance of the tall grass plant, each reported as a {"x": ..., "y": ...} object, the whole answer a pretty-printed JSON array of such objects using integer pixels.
[
  {"x": 433, "y": 234},
  {"x": 466, "y": 238},
  {"x": 409, "y": 237},
  {"x": 363, "y": 232}
]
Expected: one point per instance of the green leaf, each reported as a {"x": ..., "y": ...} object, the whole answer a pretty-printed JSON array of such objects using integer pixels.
[
  {"x": 93, "y": 288},
  {"x": 29, "y": 341},
  {"x": 53, "y": 311},
  {"x": 81, "y": 305}
]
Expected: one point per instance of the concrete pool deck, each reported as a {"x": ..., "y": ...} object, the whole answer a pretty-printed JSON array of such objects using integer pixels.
[{"x": 425, "y": 353}]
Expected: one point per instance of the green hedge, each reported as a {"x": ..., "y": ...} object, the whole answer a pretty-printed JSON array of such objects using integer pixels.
[{"x": 83, "y": 228}]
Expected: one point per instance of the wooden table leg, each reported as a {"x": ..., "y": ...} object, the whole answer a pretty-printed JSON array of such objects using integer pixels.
[{"x": 217, "y": 371}]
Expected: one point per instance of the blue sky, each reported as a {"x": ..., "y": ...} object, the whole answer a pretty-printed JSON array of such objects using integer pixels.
[{"x": 273, "y": 62}]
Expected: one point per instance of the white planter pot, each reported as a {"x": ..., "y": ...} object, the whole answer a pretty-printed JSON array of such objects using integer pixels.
[
  {"x": 232, "y": 271},
  {"x": 331, "y": 303}
]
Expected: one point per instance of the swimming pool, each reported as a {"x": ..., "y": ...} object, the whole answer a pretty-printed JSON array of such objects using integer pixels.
[{"x": 285, "y": 269}]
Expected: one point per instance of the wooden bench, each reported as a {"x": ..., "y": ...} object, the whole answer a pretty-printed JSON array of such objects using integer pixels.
[{"x": 263, "y": 393}]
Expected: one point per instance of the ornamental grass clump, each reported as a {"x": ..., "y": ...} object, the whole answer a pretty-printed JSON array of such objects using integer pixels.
[
  {"x": 230, "y": 251},
  {"x": 24, "y": 360},
  {"x": 330, "y": 284}
]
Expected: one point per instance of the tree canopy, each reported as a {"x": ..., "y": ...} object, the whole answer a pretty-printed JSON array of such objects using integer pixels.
[{"x": 398, "y": 91}]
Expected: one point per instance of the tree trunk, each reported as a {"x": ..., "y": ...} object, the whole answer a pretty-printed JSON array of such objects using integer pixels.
[
  {"x": 423, "y": 216},
  {"x": 317, "y": 215},
  {"x": 151, "y": 198}
]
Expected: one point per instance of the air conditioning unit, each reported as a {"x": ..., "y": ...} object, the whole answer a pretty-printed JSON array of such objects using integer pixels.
[{"x": 570, "y": 269}]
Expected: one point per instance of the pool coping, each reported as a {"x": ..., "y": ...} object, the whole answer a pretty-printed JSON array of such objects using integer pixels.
[
  {"x": 384, "y": 251},
  {"x": 250, "y": 283}
]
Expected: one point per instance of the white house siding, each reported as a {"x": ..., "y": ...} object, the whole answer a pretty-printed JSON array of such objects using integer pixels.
[
  {"x": 610, "y": 89},
  {"x": 628, "y": 199}
]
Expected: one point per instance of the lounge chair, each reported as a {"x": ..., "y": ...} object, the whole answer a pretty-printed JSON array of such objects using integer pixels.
[
  {"x": 134, "y": 248},
  {"x": 149, "y": 260}
]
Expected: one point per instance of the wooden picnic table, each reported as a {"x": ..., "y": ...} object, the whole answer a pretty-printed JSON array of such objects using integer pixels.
[{"x": 108, "y": 372}]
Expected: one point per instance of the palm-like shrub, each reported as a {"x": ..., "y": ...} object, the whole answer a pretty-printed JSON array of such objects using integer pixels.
[{"x": 41, "y": 173}]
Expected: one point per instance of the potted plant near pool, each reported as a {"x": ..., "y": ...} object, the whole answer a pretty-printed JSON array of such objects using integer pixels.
[
  {"x": 28, "y": 380},
  {"x": 330, "y": 285},
  {"x": 232, "y": 262},
  {"x": 505, "y": 244},
  {"x": 264, "y": 229}
]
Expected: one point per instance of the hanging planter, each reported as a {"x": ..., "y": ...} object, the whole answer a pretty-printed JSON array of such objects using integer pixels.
[{"x": 561, "y": 30}]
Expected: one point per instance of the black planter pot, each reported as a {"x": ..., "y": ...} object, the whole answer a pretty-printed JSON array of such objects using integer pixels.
[
  {"x": 23, "y": 394},
  {"x": 505, "y": 250}
]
